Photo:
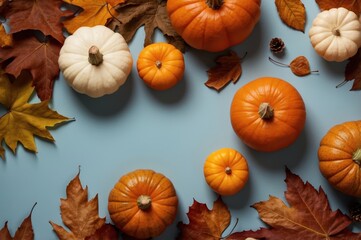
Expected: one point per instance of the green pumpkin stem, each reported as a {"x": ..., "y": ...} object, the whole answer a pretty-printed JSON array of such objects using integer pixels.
[
  {"x": 144, "y": 202},
  {"x": 265, "y": 111},
  {"x": 95, "y": 57},
  {"x": 357, "y": 156},
  {"x": 214, "y": 4}
]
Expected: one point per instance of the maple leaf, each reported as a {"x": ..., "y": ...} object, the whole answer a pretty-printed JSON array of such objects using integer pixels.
[
  {"x": 78, "y": 214},
  {"x": 42, "y": 15},
  {"x": 24, "y": 232},
  {"x": 352, "y": 5},
  {"x": 40, "y": 58},
  {"x": 353, "y": 72},
  {"x": 292, "y": 13},
  {"x": 6, "y": 40},
  {"x": 228, "y": 69},
  {"x": 106, "y": 232},
  {"x": 308, "y": 217},
  {"x": 23, "y": 120},
  {"x": 96, "y": 12},
  {"x": 133, "y": 14}
]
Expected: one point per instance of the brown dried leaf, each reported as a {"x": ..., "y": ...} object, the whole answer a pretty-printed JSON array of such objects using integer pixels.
[
  {"x": 309, "y": 213},
  {"x": 106, "y": 232},
  {"x": 353, "y": 71},
  {"x": 228, "y": 69},
  {"x": 292, "y": 13},
  {"x": 151, "y": 14},
  {"x": 24, "y": 232},
  {"x": 78, "y": 214},
  {"x": 352, "y": 5},
  {"x": 6, "y": 40},
  {"x": 299, "y": 66}
]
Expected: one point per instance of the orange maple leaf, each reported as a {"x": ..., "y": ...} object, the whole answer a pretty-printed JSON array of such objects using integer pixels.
[
  {"x": 95, "y": 12},
  {"x": 78, "y": 214},
  {"x": 292, "y": 13}
]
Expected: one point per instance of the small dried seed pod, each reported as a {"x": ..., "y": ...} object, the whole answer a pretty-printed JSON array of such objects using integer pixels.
[{"x": 276, "y": 45}]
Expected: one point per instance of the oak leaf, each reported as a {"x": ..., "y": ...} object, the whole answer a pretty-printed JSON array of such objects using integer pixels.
[
  {"x": 23, "y": 120},
  {"x": 299, "y": 66},
  {"x": 228, "y": 69},
  {"x": 353, "y": 71},
  {"x": 309, "y": 215},
  {"x": 6, "y": 40},
  {"x": 92, "y": 13},
  {"x": 42, "y": 15},
  {"x": 352, "y": 5},
  {"x": 39, "y": 57},
  {"x": 292, "y": 13},
  {"x": 79, "y": 215},
  {"x": 24, "y": 232},
  {"x": 151, "y": 14}
]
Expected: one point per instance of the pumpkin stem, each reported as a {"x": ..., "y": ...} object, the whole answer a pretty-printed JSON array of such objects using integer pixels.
[
  {"x": 336, "y": 32},
  {"x": 158, "y": 64},
  {"x": 214, "y": 4},
  {"x": 265, "y": 111},
  {"x": 357, "y": 156},
  {"x": 144, "y": 202},
  {"x": 95, "y": 57},
  {"x": 228, "y": 170}
]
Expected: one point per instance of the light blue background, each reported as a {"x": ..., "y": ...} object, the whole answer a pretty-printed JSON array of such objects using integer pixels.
[{"x": 173, "y": 132}]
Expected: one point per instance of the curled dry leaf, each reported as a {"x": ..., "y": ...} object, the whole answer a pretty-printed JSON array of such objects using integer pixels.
[
  {"x": 292, "y": 13},
  {"x": 299, "y": 66},
  {"x": 353, "y": 72},
  {"x": 228, "y": 69},
  {"x": 24, "y": 232},
  {"x": 354, "y": 5},
  {"x": 24, "y": 120}
]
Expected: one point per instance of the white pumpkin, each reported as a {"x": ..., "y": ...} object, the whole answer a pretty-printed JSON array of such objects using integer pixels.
[
  {"x": 95, "y": 60},
  {"x": 335, "y": 34}
]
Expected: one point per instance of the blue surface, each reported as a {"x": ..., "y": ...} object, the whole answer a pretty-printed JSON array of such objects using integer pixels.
[{"x": 173, "y": 132}]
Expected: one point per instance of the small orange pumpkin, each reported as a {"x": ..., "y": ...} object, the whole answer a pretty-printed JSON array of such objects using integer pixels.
[
  {"x": 214, "y": 25},
  {"x": 160, "y": 65},
  {"x": 339, "y": 157},
  {"x": 226, "y": 171},
  {"x": 143, "y": 203},
  {"x": 268, "y": 114}
]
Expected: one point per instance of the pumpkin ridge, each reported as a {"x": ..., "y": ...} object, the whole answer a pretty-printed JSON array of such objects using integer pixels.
[
  {"x": 332, "y": 146},
  {"x": 343, "y": 175},
  {"x": 344, "y": 141}
]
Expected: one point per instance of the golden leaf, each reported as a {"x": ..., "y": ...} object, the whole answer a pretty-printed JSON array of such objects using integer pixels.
[
  {"x": 292, "y": 13},
  {"x": 24, "y": 120},
  {"x": 6, "y": 40}
]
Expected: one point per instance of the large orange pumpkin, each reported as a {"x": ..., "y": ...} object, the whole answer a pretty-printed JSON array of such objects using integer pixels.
[
  {"x": 214, "y": 25},
  {"x": 268, "y": 114},
  {"x": 226, "y": 171},
  {"x": 143, "y": 203},
  {"x": 160, "y": 65},
  {"x": 339, "y": 157}
]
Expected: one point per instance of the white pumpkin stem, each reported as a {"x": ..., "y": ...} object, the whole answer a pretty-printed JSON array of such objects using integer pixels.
[
  {"x": 214, "y": 4},
  {"x": 336, "y": 32},
  {"x": 228, "y": 170},
  {"x": 265, "y": 111},
  {"x": 144, "y": 202},
  {"x": 357, "y": 156},
  {"x": 158, "y": 64},
  {"x": 95, "y": 57}
]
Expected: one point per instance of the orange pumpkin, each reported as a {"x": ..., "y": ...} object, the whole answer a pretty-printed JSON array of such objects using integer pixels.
[
  {"x": 226, "y": 171},
  {"x": 214, "y": 25},
  {"x": 339, "y": 157},
  {"x": 143, "y": 203},
  {"x": 268, "y": 114},
  {"x": 160, "y": 65}
]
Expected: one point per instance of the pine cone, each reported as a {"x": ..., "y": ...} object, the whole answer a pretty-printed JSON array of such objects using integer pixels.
[
  {"x": 355, "y": 212},
  {"x": 276, "y": 45}
]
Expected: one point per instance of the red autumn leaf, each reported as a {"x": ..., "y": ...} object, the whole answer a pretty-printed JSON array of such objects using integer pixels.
[
  {"x": 40, "y": 58},
  {"x": 292, "y": 13},
  {"x": 228, "y": 69},
  {"x": 353, "y": 71},
  {"x": 309, "y": 213},
  {"x": 42, "y": 15},
  {"x": 24, "y": 232},
  {"x": 78, "y": 214},
  {"x": 106, "y": 232},
  {"x": 352, "y": 5}
]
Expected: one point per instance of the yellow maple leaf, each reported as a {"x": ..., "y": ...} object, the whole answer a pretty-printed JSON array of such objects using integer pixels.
[
  {"x": 24, "y": 120},
  {"x": 6, "y": 40},
  {"x": 95, "y": 12}
]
